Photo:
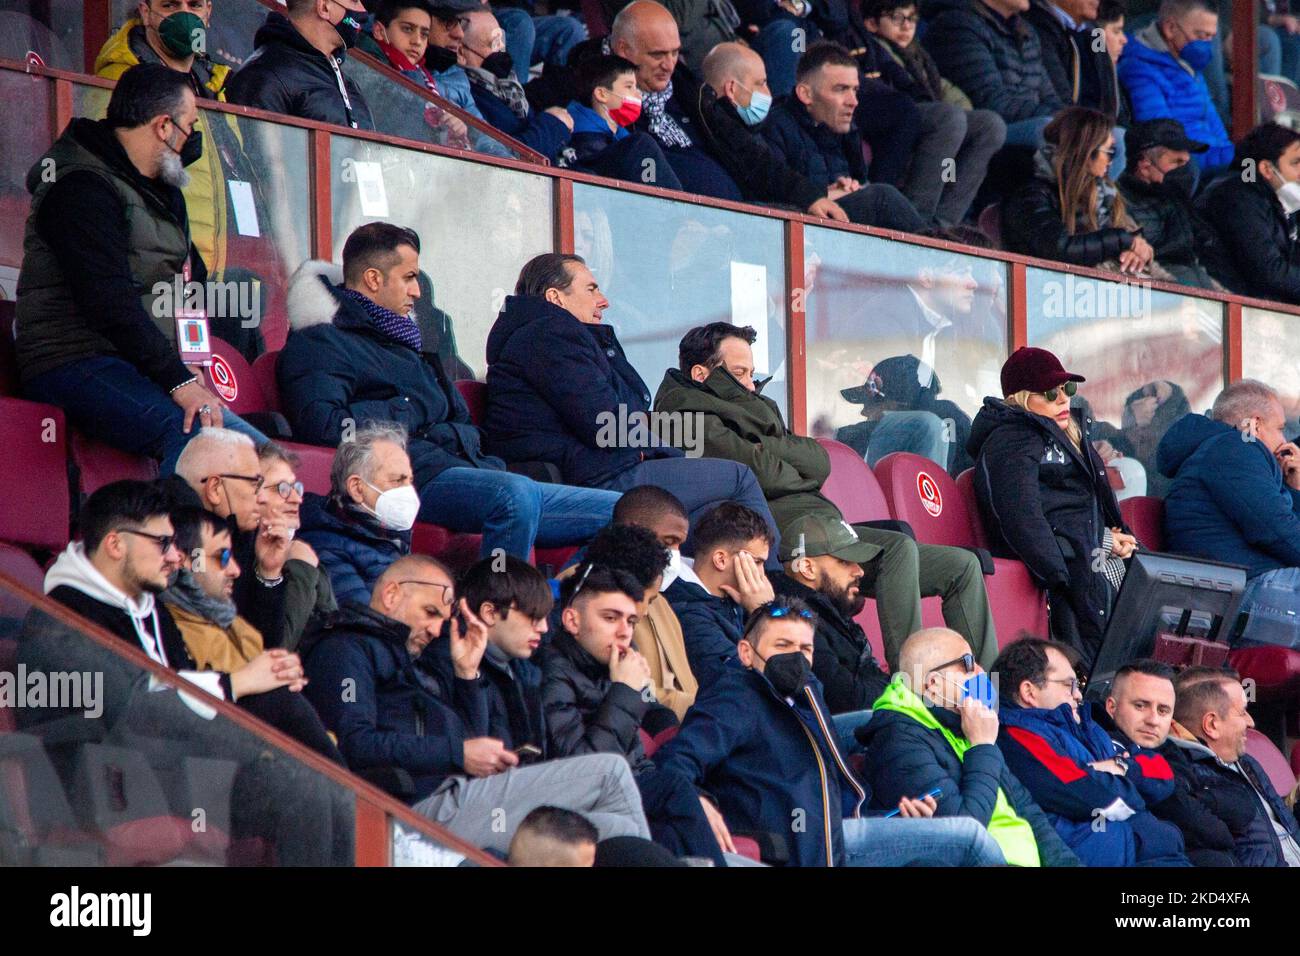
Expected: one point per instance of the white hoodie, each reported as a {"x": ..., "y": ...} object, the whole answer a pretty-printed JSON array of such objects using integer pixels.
[{"x": 75, "y": 570}]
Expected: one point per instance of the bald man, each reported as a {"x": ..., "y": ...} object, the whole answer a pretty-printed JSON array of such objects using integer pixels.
[
  {"x": 219, "y": 470},
  {"x": 432, "y": 747},
  {"x": 734, "y": 100},
  {"x": 702, "y": 24},
  {"x": 645, "y": 33},
  {"x": 927, "y": 736}
]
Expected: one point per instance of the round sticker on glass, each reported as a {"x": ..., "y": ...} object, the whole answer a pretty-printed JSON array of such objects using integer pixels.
[
  {"x": 223, "y": 379},
  {"x": 931, "y": 499}
]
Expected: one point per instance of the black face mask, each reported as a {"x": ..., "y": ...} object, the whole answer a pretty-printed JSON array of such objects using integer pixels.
[
  {"x": 1179, "y": 182},
  {"x": 499, "y": 64},
  {"x": 788, "y": 673},
  {"x": 438, "y": 59},
  {"x": 193, "y": 148},
  {"x": 348, "y": 30}
]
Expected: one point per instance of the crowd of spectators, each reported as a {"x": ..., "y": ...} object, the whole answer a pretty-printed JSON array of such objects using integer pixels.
[{"x": 712, "y": 613}]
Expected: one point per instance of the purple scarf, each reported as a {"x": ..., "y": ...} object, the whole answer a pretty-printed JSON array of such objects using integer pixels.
[{"x": 397, "y": 328}]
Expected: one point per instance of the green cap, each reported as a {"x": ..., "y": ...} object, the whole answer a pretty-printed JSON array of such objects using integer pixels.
[{"x": 817, "y": 534}]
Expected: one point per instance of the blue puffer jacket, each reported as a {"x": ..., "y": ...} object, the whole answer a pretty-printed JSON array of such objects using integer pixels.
[
  {"x": 540, "y": 131},
  {"x": 1163, "y": 86},
  {"x": 1101, "y": 816},
  {"x": 1233, "y": 794},
  {"x": 352, "y": 547},
  {"x": 1227, "y": 501},
  {"x": 553, "y": 382},
  {"x": 711, "y": 629},
  {"x": 393, "y": 718},
  {"x": 337, "y": 367},
  {"x": 996, "y": 61},
  {"x": 764, "y": 760}
]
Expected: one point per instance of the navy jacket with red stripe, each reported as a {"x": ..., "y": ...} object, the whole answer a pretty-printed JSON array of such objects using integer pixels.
[{"x": 1103, "y": 817}]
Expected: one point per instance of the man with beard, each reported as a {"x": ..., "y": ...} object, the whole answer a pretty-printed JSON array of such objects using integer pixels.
[
  {"x": 824, "y": 569},
  {"x": 107, "y": 240}
]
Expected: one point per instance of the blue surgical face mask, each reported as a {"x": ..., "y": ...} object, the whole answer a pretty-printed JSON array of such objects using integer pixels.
[
  {"x": 756, "y": 111},
  {"x": 1197, "y": 54}
]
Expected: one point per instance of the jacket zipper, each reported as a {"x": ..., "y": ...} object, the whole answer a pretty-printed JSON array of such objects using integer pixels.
[
  {"x": 835, "y": 752},
  {"x": 826, "y": 803}
]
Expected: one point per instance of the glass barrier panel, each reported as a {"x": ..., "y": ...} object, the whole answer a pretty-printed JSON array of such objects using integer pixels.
[
  {"x": 478, "y": 225},
  {"x": 21, "y": 145},
  {"x": 668, "y": 266},
  {"x": 103, "y": 763},
  {"x": 231, "y": 27},
  {"x": 250, "y": 218},
  {"x": 1150, "y": 357},
  {"x": 903, "y": 341},
  {"x": 53, "y": 29},
  {"x": 1268, "y": 353}
]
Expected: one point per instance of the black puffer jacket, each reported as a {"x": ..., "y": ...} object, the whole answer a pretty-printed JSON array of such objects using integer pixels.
[
  {"x": 1235, "y": 795},
  {"x": 586, "y": 712},
  {"x": 286, "y": 74},
  {"x": 1165, "y": 218},
  {"x": 1249, "y": 243},
  {"x": 1046, "y": 503},
  {"x": 1032, "y": 224},
  {"x": 1079, "y": 73},
  {"x": 760, "y": 172},
  {"x": 842, "y": 658},
  {"x": 1206, "y": 836}
]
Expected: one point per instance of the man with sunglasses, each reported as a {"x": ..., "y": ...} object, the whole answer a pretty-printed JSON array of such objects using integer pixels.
[
  {"x": 760, "y": 741},
  {"x": 1090, "y": 788},
  {"x": 932, "y": 730},
  {"x": 220, "y": 472}
]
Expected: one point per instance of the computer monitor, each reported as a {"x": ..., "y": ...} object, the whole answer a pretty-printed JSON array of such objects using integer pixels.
[{"x": 1165, "y": 593}]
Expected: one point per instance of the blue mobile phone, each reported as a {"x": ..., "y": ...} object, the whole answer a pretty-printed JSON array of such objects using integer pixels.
[{"x": 937, "y": 792}]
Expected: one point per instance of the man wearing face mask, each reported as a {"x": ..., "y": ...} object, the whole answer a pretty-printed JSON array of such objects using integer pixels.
[
  {"x": 1250, "y": 239},
  {"x": 445, "y": 62},
  {"x": 932, "y": 729},
  {"x": 760, "y": 742},
  {"x": 1156, "y": 187},
  {"x": 499, "y": 94},
  {"x": 297, "y": 65},
  {"x": 733, "y": 100},
  {"x": 1163, "y": 70},
  {"x": 174, "y": 33},
  {"x": 364, "y": 525},
  {"x": 108, "y": 228}
]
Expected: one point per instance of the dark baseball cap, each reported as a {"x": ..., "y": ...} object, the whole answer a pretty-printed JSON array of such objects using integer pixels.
[
  {"x": 1034, "y": 370},
  {"x": 817, "y": 534},
  {"x": 901, "y": 378},
  {"x": 1168, "y": 133},
  {"x": 450, "y": 9}
]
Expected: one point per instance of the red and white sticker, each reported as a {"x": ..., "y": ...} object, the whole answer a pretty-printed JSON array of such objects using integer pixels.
[
  {"x": 931, "y": 499},
  {"x": 223, "y": 379}
]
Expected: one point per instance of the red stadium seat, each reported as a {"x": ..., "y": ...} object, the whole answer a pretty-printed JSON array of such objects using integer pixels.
[
  {"x": 264, "y": 375},
  {"x": 98, "y": 464},
  {"x": 34, "y": 481},
  {"x": 314, "y": 465},
  {"x": 966, "y": 486},
  {"x": 924, "y": 495},
  {"x": 1295, "y": 759},
  {"x": 1145, "y": 516},
  {"x": 475, "y": 395},
  {"x": 1271, "y": 759},
  {"x": 22, "y": 567},
  {"x": 231, "y": 379},
  {"x": 1275, "y": 671}
]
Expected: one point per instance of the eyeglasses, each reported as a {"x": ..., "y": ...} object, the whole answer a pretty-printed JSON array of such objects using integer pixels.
[
  {"x": 223, "y": 558},
  {"x": 775, "y": 611},
  {"x": 287, "y": 488},
  {"x": 1103, "y": 151},
  {"x": 449, "y": 591},
  {"x": 902, "y": 19},
  {"x": 1069, "y": 388},
  {"x": 1075, "y": 684},
  {"x": 783, "y": 611},
  {"x": 257, "y": 480},
  {"x": 581, "y": 581},
  {"x": 967, "y": 661},
  {"x": 164, "y": 541}
]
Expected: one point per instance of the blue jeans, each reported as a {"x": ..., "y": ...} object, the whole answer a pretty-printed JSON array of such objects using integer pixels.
[
  {"x": 1028, "y": 132},
  {"x": 845, "y": 725},
  {"x": 1272, "y": 600},
  {"x": 109, "y": 400},
  {"x": 513, "y": 512},
  {"x": 921, "y": 433},
  {"x": 531, "y": 39},
  {"x": 1290, "y": 54},
  {"x": 702, "y": 484},
  {"x": 775, "y": 43},
  {"x": 937, "y": 841}
]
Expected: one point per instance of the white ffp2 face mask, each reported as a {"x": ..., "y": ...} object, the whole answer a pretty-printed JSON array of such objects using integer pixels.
[
  {"x": 1289, "y": 196},
  {"x": 397, "y": 507}
]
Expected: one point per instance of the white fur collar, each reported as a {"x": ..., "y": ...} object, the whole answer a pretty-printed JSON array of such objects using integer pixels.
[{"x": 308, "y": 301}]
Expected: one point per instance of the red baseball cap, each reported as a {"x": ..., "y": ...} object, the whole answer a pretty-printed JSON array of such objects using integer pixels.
[{"x": 1034, "y": 370}]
